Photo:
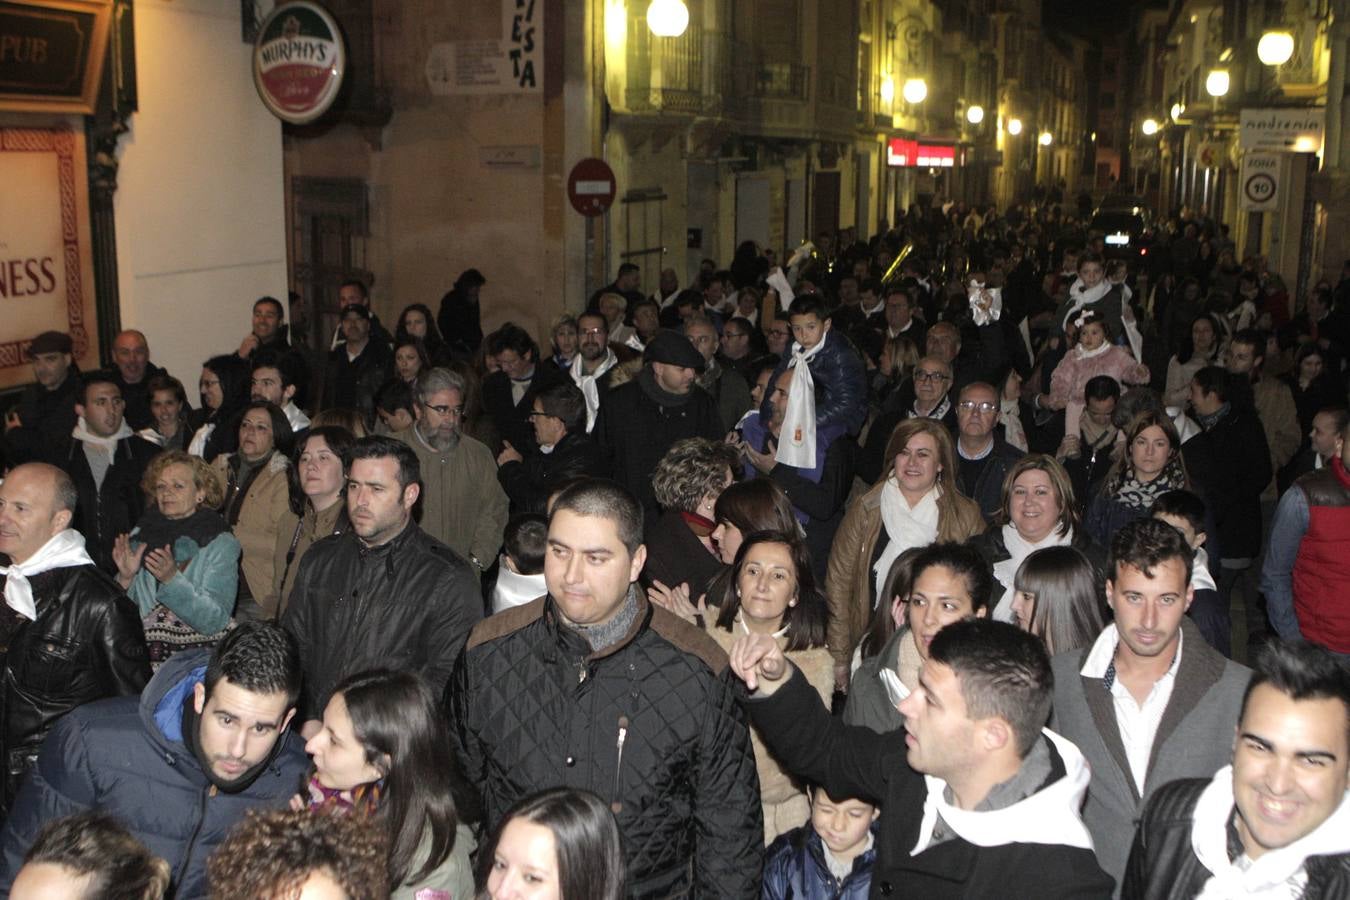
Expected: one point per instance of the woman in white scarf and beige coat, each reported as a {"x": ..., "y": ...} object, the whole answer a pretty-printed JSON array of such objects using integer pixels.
[{"x": 915, "y": 503}]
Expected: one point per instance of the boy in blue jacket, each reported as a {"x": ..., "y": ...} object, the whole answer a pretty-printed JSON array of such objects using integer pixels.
[{"x": 829, "y": 858}]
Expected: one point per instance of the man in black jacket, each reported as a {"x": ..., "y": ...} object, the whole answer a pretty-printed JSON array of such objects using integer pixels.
[
  {"x": 997, "y": 813},
  {"x": 106, "y": 461},
  {"x": 565, "y": 450},
  {"x": 180, "y": 765},
  {"x": 508, "y": 394},
  {"x": 69, "y": 634},
  {"x": 983, "y": 457},
  {"x": 592, "y": 687},
  {"x": 640, "y": 420},
  {"x": 37, "y": 428},
  {"x": 357, "y": 366},
  {"x": 133, "y": 372},
  {"x": 384, "y": 594},
  {"x": 1276, "y": 823}
]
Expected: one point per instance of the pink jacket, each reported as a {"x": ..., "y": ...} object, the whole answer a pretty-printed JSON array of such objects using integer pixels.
[{"x": 1073, "y": 373}]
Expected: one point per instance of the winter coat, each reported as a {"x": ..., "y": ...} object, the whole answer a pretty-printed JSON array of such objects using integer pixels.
[
  {"x": 651, "y": 725},
  {"x": 454, "y": 876},
  {"x": 994, "y": 549},
  {"x": 1069, "y": 380},
  {"x": 85, "y": 644},
  {"x": 635, "y": 430},
  {"x": 295, "y": 535},
  {"x": 1163, "y": 864},
  {"x": 795, "y": 869},
  {"x": 462, "y": 504},
  {"x": 407, "y": 604},
  {"x": 48, "y": 418},
  {"x": 1193, "y": 739},
  {"x": 353, "y": 383},
  {"x": 265, "y": 501},
  {"x": 850, "y": 584},
  {"x": 1230, "y": 463},
  {"x": 987, "y": 491},
  {"x": 513, "y": 419},
  {"x": 113, "y": 508},
  {"x": 128, "y": 756},
  {"x": 1022, "y": 853},
  {"x": 841, "y": 385},
  {"x": 529, "y": 482},
  {"x": 675, "y": 556},
  {"x": 202, "y": 593}
]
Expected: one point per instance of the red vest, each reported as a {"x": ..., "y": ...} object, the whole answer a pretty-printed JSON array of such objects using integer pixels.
[{"x": 1322, "y": 567}]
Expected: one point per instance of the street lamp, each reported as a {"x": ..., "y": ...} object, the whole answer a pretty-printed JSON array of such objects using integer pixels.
[
  {"x": 668, "y": 18},
  {"x": 1046, "y": 139},
  {"x": 887, "y": 89},
  {"x": 1014, "y": 127},
  {"x": 1275, "y": 48},
  {"x": 1177, "y": 110},
  {"x": 915, "y": 90},
  {"x": 1150, "y": 127},
  {"x": 975, "y": 114},
  {"x": 1216, "y": 83}
]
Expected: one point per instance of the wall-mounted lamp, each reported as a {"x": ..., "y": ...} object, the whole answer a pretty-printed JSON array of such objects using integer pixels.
[{"x": 668, "y": 18}]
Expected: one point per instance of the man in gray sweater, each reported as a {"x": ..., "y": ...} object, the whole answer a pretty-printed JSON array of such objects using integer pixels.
[{"x": 1149, "y": 702}]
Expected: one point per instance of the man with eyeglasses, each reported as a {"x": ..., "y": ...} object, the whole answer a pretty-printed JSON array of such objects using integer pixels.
[
  {"x": 983, "y": 457},
  {"x": 925, "y": 396},
  {"x": 106, "y": 461},
  {"x": 463, "y": 505},
  {"x": 594, "y": 362}
]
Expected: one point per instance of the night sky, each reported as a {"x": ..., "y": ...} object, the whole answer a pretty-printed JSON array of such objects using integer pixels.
[{"x": 1088, "y": 17}]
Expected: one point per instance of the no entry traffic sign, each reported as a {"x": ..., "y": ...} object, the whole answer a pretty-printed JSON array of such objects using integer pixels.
[{"x": 591, "y": 186}]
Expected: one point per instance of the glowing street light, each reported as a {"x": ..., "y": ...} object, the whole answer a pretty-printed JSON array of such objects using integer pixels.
[
  {"x": 887, "y": 89},
  {"x": 1216, "y": 83},
  {"x": 1150, "y": 127},
  {"x": 1275, "y": 48},
  {"x": 1046, "y": 139},
  {"x": 1014, "y": 126},
  {"x": 1177, "y": 111},
  {"x": 668, "y": 18},
  {"x": 915, "y": 90},
  {"x": 975, "y": 114}
]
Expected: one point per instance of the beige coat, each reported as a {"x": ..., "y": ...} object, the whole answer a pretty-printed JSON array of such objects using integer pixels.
[
  {"x": 463, "y": 504},
  {"x": 1279, "y": 417},
  {"x": 849, "y": 579},
  {"x": 782, "y": 796},
  {"x": 267, "y": 500},
  {"x": 312, "y": 527}
]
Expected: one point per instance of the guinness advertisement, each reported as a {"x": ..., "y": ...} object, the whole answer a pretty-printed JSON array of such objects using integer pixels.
[{"x": 51, "y": 54}]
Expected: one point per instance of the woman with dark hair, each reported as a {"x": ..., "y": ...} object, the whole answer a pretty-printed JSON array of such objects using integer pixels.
[
  {"x": 772, "y": 591},
  {"x": 1058, "y": 598},
  {"x": 169, "y": 407},
  {"x": 1150, "y": 466},
  {"x": 914, "y": 503},
  {"x": 180, "y": 564},
  {"x": 887, "y": 617},
  {"x": 1203, "y": 346},
  {"x": 417, "y": 323},
  {"x": 560, "y": 844},
  {"x": 948, "y": 582},
  {"x": 224, "y": 389},
  {"x": 410, "y": 359},
  {"x": 1312, "y": 385},
  {"x": 318, "y": 505},
  {"x": 383, "y": 751},
  {"x": 1038, "y": 510},
  {"x": 257, "y": 494}
]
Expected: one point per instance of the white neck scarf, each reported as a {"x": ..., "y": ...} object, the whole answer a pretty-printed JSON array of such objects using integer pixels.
[
  {"x": 1276, "y": 874},
  {"x": 1019, "y": 549},
  {"x": 906, "y": 526},
  {"x": 587, "y": 383},
  {"x": 64, "y": 549},
  {"x": 1201, "y": 579},
  {"x": 514, "y": 589},
  {"x": 107, "y": 444},
  {"x": 797, "y": 439}
]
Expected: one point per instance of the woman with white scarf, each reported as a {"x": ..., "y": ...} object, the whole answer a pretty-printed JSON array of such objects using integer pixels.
[
  {"x": 1038, "y": 511},
  {"x": 915, "y": 503}
]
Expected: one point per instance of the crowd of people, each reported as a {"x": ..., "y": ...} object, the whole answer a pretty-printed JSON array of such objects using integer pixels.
[{"x": 967, "y": 561}]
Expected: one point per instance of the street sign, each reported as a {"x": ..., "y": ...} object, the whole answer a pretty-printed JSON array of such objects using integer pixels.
[
  {"x": 1291, "y": 129},
  {"x": 1259, "y": 184},
  {"x": 591, "y": 187}
]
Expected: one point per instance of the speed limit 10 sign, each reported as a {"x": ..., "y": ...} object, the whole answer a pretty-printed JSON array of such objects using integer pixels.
[{"x": 1259, "y": 182}]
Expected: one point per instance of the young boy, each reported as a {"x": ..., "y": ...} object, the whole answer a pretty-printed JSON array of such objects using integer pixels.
[
  {"x": 829, "y": 858},
  {"x": 1185, "y": 512},
  {"x": 828, "y": 398},
  {"x": 520, "y": 578}
]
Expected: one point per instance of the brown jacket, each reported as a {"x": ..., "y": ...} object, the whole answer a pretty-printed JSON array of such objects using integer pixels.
[
  {"x": 267, "y": 500},
  {"x": 849, "y": 580},
  {"x": 313, "y": 526}
]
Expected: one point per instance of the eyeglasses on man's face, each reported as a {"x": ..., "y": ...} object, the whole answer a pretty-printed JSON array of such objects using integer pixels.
[{"x": 925, "y": 376}]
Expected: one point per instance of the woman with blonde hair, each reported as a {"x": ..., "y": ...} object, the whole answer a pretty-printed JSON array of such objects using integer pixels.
[{"x": 914, "y": 503}]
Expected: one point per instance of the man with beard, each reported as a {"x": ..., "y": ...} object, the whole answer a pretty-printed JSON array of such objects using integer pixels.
[
  {"x": 384, "y": 594},
  {"x": 463, "y": 505},
  {"x": 205, "y": 742},
  {"x": 593, "y": 363}
]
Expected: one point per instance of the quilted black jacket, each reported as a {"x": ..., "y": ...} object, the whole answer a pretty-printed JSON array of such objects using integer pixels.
[
  {"x": 651, "y": 725},
  {"x": 1164, "y": 867}
]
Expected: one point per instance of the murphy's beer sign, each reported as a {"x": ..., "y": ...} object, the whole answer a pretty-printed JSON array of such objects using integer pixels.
[{"x": 298, "y": 62}]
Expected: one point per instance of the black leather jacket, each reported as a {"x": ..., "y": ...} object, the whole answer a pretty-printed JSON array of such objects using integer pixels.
[
  {"x": 1164, "y": 867},
  {"x": 407, "y": 604},
  {"x": 86, "y": 644},
  {"x": 530, "y": 481}
]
